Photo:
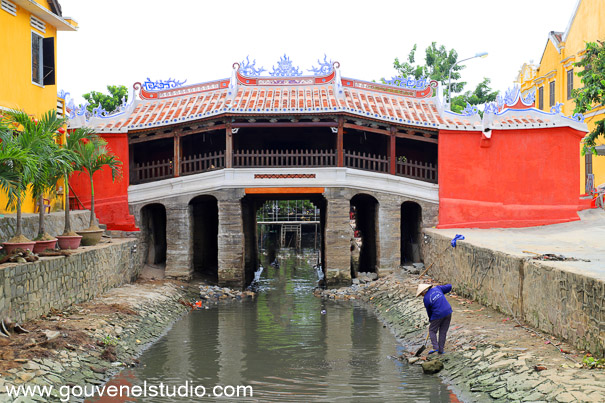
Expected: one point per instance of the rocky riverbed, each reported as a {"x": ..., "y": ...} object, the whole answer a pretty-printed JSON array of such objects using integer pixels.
[
  {"x": 87, "y": 343},
  {"x": 489, "y": 356}
]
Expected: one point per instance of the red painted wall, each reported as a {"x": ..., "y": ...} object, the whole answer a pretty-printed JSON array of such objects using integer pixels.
[
  {"x": 111, "y": 198},
  {"x": 518, "y": 178}
]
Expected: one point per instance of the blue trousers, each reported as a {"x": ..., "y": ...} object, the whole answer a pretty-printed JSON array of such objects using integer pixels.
[{"x": 439, "y": 325}]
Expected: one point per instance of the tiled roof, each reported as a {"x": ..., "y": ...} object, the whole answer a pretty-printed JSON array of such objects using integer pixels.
[
  {"x": 285, "y": 96},
  {"x": 313, "y": 96}
]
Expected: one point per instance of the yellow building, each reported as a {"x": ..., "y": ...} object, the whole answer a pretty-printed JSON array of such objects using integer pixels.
[
  {"x": 555, "y": 77},
  {"x": 28, "y": 45}
]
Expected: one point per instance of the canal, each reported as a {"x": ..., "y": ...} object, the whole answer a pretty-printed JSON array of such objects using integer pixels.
[{"x": 288, "y": 346}]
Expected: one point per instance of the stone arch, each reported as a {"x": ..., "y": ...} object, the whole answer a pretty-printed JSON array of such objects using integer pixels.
[
  {"x": 411, "y": 222},
  {"x": 364, "y": 219},
  {"x": 204, "y": 215},
  {"x": 153, "y": 228}
]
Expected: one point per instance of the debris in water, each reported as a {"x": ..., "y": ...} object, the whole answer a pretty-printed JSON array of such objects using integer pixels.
[{"x": 323, "y": 312}]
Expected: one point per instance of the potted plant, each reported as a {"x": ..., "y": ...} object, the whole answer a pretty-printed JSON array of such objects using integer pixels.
[
  {"x": 31, "y": 138},
  {"x": 51, "y": 165},
  {"x": 93, "y": 155},
  {"x": 70, "y": 239}
]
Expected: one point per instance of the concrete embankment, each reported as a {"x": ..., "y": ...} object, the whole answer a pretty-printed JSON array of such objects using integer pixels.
[
  {"x": 564, "y": 298},
  {"x": 489, "y": 357}
]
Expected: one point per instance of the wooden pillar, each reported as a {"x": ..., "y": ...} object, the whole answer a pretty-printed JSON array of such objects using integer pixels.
[
  {"x": 339, "y": 143},
  {"x": 228, "y": 146},
  {"x": 177, "y": 156},
  {"x": 392, "y": 150},
  {"x": 132, "y": 174}
]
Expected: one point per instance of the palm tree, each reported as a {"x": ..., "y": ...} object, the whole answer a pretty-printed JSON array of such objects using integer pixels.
[
  {"x": 35, "y": 139},
  {"x": 74, "y": 138},
  {"x": 10, "y": 157},
  {"x": 94, "y": 155}
]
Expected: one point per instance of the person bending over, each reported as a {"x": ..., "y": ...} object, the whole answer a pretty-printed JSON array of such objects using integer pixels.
[{"x": 439, "y": 311}]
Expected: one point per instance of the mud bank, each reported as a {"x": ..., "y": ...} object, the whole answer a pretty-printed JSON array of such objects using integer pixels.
[
  {"x": 489, "y": 356},
  {"x": 87, "y": 343}
]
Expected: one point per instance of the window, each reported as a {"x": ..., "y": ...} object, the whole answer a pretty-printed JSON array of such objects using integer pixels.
[
  {"x": 541, "y": 98},
  {"x": 569, "y": 84},
  {"x": 551, "y": 90},
  {"x": 43, "y": 60}
]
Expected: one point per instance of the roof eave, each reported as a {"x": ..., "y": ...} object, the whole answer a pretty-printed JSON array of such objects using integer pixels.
[{"x": 46, "y": 15}]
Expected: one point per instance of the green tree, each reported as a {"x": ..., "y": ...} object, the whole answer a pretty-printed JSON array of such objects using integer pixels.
[
  {"x": 437, "y": 64},
  {"x": 36, "y": 140},
  {"x": 93, "y": 156},
  {"x": 592, "y": 94},
  {"x": 81, "y": 135},
  {"x": 438, "y": 61},
  {"x": 480, "y": 96},
  {"x": 109, "y": 102}
]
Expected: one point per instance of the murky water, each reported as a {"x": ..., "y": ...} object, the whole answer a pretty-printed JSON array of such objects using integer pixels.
[{"x": 285, "y": 348}]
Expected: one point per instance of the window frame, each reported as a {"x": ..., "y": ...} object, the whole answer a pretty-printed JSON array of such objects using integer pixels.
[
  {"x": 570, "y": 83},
  {"x": 40, "y": 59},
  {"x": 541, "y": 97},
  {"x": 551, "y": 93}
]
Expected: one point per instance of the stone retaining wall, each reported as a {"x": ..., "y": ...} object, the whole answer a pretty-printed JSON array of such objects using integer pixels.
[
  {"x": 563, "y": 303},
  {"x": 54, "y": 223},
  {"x": 29, "y": 290}
]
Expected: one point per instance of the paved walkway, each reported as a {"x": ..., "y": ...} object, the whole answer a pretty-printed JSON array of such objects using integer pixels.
[{"x": 584, "y": 239}]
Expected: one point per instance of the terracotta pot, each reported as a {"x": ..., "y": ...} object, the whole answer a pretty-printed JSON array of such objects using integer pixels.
[
  {"x": 11, "y": 246},
  {"x": 90, "y": 238},
  {"x": 69, "y": 241},
  {"x": 41, "y": 246}
]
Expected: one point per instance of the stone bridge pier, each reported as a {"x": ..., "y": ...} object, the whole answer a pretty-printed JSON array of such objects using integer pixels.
[{"x": 213, "y": 234}]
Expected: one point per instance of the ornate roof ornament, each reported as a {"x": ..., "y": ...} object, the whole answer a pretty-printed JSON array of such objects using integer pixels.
[
  {"x": 578, "y": 117},
  {"x": 249, "y": 69},
  {"x": 470, "y": 110},
  {"x": 530, "y": 99},
  {"x": 63, "y": 94},
  {"x": 99, "y": 111},
  {"x": 159, "y": 85},
  {"x": 490, "y": 107},
  {"x": 556, "y": 108},
  {"x": 324, "y": 68},
  {"x": 285, "y": 68},
  {"x": 409, "y": 82}
]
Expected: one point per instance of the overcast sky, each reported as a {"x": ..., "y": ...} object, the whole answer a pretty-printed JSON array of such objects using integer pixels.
[{"x": 122, "y": 42}]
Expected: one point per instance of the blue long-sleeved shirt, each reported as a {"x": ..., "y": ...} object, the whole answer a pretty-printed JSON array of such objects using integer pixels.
[{"x": 435, "y": 302}]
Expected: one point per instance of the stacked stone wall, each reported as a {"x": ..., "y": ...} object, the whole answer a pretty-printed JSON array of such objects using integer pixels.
[
  {"x": 53, "y": 222},
  {"x": 28, "y": 290},
  {"x": 563, "y": 303}
]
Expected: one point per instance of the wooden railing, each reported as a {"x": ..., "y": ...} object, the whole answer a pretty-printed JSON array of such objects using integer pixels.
[
  {"x": 284, "y": 158},
  {"x": 423, "y": 171},
  {"x": 157, "y": 170},
  {"x": 194, "y": 164},
  {"x": 367, "y": 162},
  {"x": 152, "y": 171}
]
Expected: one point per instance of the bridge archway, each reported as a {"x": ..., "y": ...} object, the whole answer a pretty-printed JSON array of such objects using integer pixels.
[
  {"x": 411, "y": 221},
  {"x": 153, "y": 228},
  {"x": 364, "y": 213},
  {"x": 253, "y": 216},
  {"x": 204, "y": 213}
]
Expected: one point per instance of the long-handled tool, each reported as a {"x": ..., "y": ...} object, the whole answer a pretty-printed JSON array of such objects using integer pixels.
[
  {"x": 421, "y": 349},
  {"x": 458, "y": 237}
]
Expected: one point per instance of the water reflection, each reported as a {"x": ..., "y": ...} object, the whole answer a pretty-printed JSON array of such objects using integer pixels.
[{"x": 286, "y": 349}]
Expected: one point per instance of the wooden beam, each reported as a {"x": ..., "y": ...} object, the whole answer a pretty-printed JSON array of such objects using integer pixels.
[
  {"x": 413, "y": 137},
  {"x": 340, "y": 143},
  {"x": 284, "y": 124},
  {"x": 366, "y": 129},
  {"x": 228, "y": 146},
  {"x": 150, "y": 136}
]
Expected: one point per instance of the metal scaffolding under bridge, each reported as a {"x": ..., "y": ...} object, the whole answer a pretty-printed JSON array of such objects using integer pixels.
[{"x": 290, "y": 215}]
